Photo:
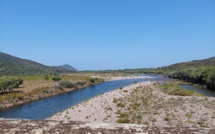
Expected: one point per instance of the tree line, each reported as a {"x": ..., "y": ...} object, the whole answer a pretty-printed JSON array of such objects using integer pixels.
[{"x": 203, "y": 76}]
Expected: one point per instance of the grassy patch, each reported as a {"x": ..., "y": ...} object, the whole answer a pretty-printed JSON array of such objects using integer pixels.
[
  {"x": 189, "y": 115},
  {"x": 172, "y": 88},
  {"x": 123, "y": 120},
  {"x": 120, "y": 104}
]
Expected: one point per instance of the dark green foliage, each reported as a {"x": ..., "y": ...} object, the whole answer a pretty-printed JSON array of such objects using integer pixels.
[
  {"x": 203, "y": 76},
  {"x": 124, "y": 115},
  {"x": 67, "y": 84},
  {"x": 115, "y": 100},
  {"x": 120, "y": 104},
  {"x": 197, "y": 71},
  {"x": 92, "y": 80},
  {"x": 56, "y": 78},
  {"x": 80, "y": 83},
  {"x": 123, "y": 120},
  {"x": 8, "y": 84}
]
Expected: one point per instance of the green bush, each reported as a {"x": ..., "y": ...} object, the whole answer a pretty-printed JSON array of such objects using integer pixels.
[
  {"x": 67, "y": 84},
  {"x": 115, "y": 100},
  {"x": 80, "y": 83},
  {"x": 120, "y": 104},
  {"x": 92, "y": 80},
  {"x": 56, "y": 78},
  {"x": 123, "y": 120},
  {"x": 8, "y": 84},
  {"x": 123, "y": 115}
]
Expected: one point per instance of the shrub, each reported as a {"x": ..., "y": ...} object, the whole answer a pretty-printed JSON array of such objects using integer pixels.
[
  {"x": 80, "y": 83},
  {"x": 92, "y": 80},
  {"x": 189, "y": 115},
  {"x": 67, "y": 84},
  {"x": 166, "y": 118},
  {"x": 56, "y": 78},
  {"x": 139, "y": 122},
  {"x": 115, "y": 100},
  {"x": 9, "y": 84},
  {"x": 120, "y": 104},
  {"x": 139, "y": 117},
  {"x": 123, "y": 115},
  {"x": 123, "y": 120}
]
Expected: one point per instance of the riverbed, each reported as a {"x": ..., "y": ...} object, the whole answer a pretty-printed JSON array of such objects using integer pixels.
[{"x": 45, "y": 108}]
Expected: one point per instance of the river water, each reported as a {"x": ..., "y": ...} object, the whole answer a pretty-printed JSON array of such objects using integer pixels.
[
  {"x": 45, "y": 108},
  {"x": 42, "y": 109},
  {"x": 205, "y": 92}
]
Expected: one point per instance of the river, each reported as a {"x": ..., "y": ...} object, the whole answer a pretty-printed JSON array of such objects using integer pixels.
[{"x": 45, "y": 108}]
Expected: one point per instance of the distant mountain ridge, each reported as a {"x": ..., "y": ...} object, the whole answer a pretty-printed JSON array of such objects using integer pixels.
[
  {"x": 11, "y": 65},
  {"x": 68, "y": 67}
]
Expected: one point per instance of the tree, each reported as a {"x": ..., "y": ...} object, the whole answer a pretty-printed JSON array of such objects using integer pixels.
[{"x": 9, "y": 84}]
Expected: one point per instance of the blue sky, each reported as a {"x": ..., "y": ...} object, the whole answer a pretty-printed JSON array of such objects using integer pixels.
[{"x": 108, "y": 34}]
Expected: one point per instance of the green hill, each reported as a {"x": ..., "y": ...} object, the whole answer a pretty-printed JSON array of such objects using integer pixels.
[
  {"x": 200, "y": 72},
  {"x": 197, "y": 71},
  {"x": 10, "y": 65},
  {"x": 210, "y": 62}
]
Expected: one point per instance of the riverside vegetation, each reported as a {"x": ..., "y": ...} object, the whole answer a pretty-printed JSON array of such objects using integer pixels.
[
  {"x": 198, "y": 72},
  {"x": 17, "y": 90}
]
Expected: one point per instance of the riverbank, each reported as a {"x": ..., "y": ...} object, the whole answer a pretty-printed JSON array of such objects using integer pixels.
[
  {"x": 21, "y": 98},
  {"x": 144, "y": 103},
  {"x": 36, "y": 88},
  {"x": 127, "y": 77}
]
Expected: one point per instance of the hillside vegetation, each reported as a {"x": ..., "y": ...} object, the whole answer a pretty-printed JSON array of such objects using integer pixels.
[
  {"x": 10, "y": 65},
  {"x": 197, "y": 71},
  {"x": 205, "y": 63},
  {"x": 200, "y": 72}
]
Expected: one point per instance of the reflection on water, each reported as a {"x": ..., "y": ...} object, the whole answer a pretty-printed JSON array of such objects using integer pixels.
[{"x": 202, "y": 91}]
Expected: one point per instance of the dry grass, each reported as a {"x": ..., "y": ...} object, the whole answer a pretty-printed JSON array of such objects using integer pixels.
[{"x": 36, "y": 87}]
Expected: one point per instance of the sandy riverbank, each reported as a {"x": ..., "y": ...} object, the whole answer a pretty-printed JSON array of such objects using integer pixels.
[
  {"x": 127, "y": 77},
  {"x": 144, "y": 103},
  {"x": 119, "y": 77},
  {"x": 96, "y": 109}
]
